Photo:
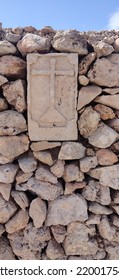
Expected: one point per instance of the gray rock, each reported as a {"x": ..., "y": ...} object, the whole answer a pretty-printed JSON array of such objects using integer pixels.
[
  {"x": 71, "y": 150},
  {"x": 12, "y": 123}
]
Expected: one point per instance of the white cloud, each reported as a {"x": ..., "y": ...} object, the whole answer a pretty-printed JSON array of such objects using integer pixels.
[{"x": 113, "y": 22}]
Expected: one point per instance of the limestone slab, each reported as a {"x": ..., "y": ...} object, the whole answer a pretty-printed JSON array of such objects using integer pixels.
[{"x": 52, "y": 93}]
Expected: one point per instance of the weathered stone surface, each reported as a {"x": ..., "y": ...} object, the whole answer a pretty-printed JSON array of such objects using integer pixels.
[
  {"x": 72, "y": 173},
  {"x": 106, "y": 157},
  {"x": 102, "y": 49},
  {"x": 115, "y": 197},
  {"x": 87, "y": 163},
  {"x": 37, "y": 211},
  {"x": 88, "y": 122},
  {"x": 12, "y": 67},
  {"x": 3, "y": 80},
  {"x": 59, "y": 233},
  {"x": 6, "y": 252},
  {"x": 114, "y": 124},
  {"x": 3, "y": 104},
  {"x": 111, "y": 90},
  {"x": 70, "y": 41},
  {"x": 45, "y": 190},
  {"x": 109, "y": 100},
  {"x": 52, "y": 111},
  {"x": 109, "y": 66},
  {"x": 33, "y": 43},
  {"x": 20, "y": 198},
  {"x": 104, "y": 195},
  {"x": 106, "y": 230},
  {"x": 7, "y": 48},
  {"x": 12, "y": 38},
  {"x": 15, "y": 93},
  {"x": 115, "y": 220},
  {"x": 71, "y": 150},
  {"x": 99, "y": 209},
  {"x": 17, "y": 145},
  {"x": 45, "y": 157},
  {"x": 67, "y": 209},
  {"x": 93, "y": 220},
  {"x": 87, "y": 94},
  {"x": 17, "y": 222},
  {"x": 5, "y": 190},
  {"x": 58, "y": 168},
  {"x": 72, "y": 186},
  {"x": 112, "y": 251},
  {"x": 91, "y": 190},
  {"x": 103, "y": 137},
  {"x": 43, "y": 173},
  {"x": 116, "y": 45},
  {"x": 104, "y": 111},
  {"x": 8, "y": 172},
  {"x": 27, "y": 163},
  {"x": 86, "y": 62},
  {"x": 23, "y": 177},
  {"x": 2, "y": 229},
  {"x": 108, "y": 176},
  {"x": 116, "y": 209},
  {"x": 12, "y": 123},
  {"x": 44, "y": 145},
  {"x": 78, "y": 242},
  {"x": 7, "y": 210},
  {"x": 54, "y": 251},
  {"x": 83, "y": 80}
]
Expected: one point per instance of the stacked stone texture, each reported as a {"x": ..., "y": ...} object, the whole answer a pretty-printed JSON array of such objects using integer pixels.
[{"x": 60, "y": 200}]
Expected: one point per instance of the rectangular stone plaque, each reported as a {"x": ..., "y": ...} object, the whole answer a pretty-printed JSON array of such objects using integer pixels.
[{"x": 52, "y": 96}]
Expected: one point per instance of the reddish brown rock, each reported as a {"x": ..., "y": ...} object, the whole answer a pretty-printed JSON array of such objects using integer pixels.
[
  {"x": 38, "y": 211},
  {"x": 105, "y": 112},
  {"x": 106, "y": 157},
  {"x": 12, "y": 67}
]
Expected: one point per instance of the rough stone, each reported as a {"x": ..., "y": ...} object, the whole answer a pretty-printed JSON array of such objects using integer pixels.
[
  {"x": 116, "y": 45},
  {"x": 102, "y": 49},
  {"x": 6, "y": 252},
  {"x": 72, "y": 186},
  {"x": 93, "y": 220},
  {"x": 5, "y": 190},
  {"x": 67, "y": 209},
  {"x": 8, "y": 173},
  {"x": 109, "y": 66},
  {"x": 86, "y": 62},
  {"x": 71, "y": 150},
  {"x": 54, "y": 251},
  {"x": 3, "y": 80},
  {"x": 88, "y": 122},
  {"x": 37, "y": 212},
  {"x": 3, "y": 104},
  {"x": 2, "y": 229},
  {"x": 114, "y": 124},
  {"x": 99, "y": 209},
  {"x": 111, "y": 90},
  {"x": 27, "y": 163},
  {"x": 91, "y": 190},
  {"x": 83, "y": 80},
  {"x": 45, "y": 190},
  {"x": 43, "y": 173},
  {"x": 103, "y": 137},
  {"x": 104, "y": 111},
  {"x": 17, "y": 222},
  {"x": 116, "y": 208},
  {"x": 33, "y": 43},
  {"x": 22, "y": 177},
  {"x": 7, "y": 210},
  {"x": 87, "y": 163},
  {"x": 12, "y": 67},
  {"x": 71, "y": 172},
  {"x": 112, "y": 251},
  {"x": 109, "y": 100},
  {"x": 87, "y": 94},
  {"x": 106, "y": 230},
  {"x": 15, "y": 93},
  {"x": 70, "y": 41},
  {"x": 20, "y": 198},
  {"x": 104, "y": 195},
  {"x": 115, "y": 220},
  {"x": 44, "y": 145},
  {"x": 115, "y": 197},
  {"x": 106, "y": 157},
  {"x": 13, "y": 38},
  {"x": 58, "y": 168},
  {"x": 80, "y": 240},
  {"x": 12, "y": 123},
  {"x": 7, "y": 48},
  {"x": 52, "y": 113},
  {"x": 59, "y": 233},
  {"x": 45, "y": 157},
  {"x": 17, "y": 145}
]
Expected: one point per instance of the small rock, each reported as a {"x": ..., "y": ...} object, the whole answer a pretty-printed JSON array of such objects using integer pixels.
[
  {"x": 27, "y": 163},
  {"x": 20, "y": 198},
  {"x": 103, "y": 137},
  {"x": 43, "y": 173},
  {"x": 8, "y": 173},
  {"x": 116, "y": 197},
  {"x": 114, "y": 124},
  {"x": 72, "y": 186},
  {"x": 3, "y": 80},
  {"x": 111, "y": 90},
  {"x": 106, "y": 157},
  {"x": 12, "y": 38},
  {"x": 58, "y": 168},
  {"x": 87, "y": 94},
  {"x": 12, "y": 67},
  {"x": 104, "y": 111},
  {"x": 71, "y": 150},
  {"x": 70, "y": 41},
  {"x": 83, "y": 80},
  {"x": 104, "y": 195},
  {"x": 71, "y": 172},
  {"x": 88, "y": 122},
  {"x": 115, "y": 220},
  {"x": 5, "y": 190},
  {"x": 90, "y": 152},
  {"x": 6, "y": 252},
  {"x": 17, "y": 222},
  {"x": 102, "y": 49},
  {"x": 86, "y": 62},
  {"x": 7, "y": 210},
  {"x": 106, "y": 230},
  {"x": 37, "y": 211},
  {"x": 7, "y": 48},
  {"x": 67, "y": 209},
  {"x": 33, "y": 43},
  {"x": 12, "y": 123},
  {"x": 91, "y": 190},
  {"x": 44, "y": 145},
  {"x": 93, "y": 220},
  {"x": 116, "y": 45},
  {"x": 45, "y": 157},
  {"x": 23, "y": 177},
  {"x": 54, "y": 251},
  {"x": 3, "y": 104},
  {"x": 98, "y": 209},
  {"x": 112, "y": 251},
  {"x": 109, "y": 100},
  {"x": 59, "y": 233},
  {"x": 116, "y": 208},
  {"x": 2, "y": 229},
  {"x": 15, "y": 93},
  {"x": 87, "y": 163}
]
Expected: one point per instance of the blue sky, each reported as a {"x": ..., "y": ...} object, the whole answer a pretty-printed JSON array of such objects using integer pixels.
[{"x": 82, "y": 15}]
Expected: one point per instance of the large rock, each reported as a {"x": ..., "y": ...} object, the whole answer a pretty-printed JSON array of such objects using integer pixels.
[
  {"x": 110, "y": 66},
  {"x": 37, "y": 211},
  {"x": 15, "y": 93},
  {"x": 33, "y": 43},
  {"x": 103, "y": 137},
  {"x": 88, "y": 122},
  {"x": 87, "y": 94},
  {"x": 17, "y": 222},
  {"x": 67, "y": 209},
  {"x": 6, "y": 252},
  {"x": 17, "y": 146},
  {"x": 7, "y": 48},
  {"x": 7, "y": 210},
  {"x": 70, "y": 41},
  {"x": 80, "y": 240},
  {"x": 12, "y": 123},
  {"x": 108, "y": 176},
  {"x": 85, "y": 63},
  {"x": 12, "y": 67},
  {"x": 71, "y": 150},
  {"x": 8, "y": 172},
  {"x": 109, "y": 100}
]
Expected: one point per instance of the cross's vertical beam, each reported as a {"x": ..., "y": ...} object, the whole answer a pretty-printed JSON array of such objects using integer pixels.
[{"x": 52, "y": 83}]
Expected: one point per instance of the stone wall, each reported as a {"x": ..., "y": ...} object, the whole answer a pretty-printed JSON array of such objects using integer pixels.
[{"x": 60, "y": 199}]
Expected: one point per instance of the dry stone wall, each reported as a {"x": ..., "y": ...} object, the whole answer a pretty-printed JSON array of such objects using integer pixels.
[{"x": 59, "y": 199}]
